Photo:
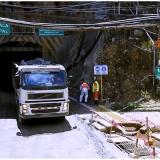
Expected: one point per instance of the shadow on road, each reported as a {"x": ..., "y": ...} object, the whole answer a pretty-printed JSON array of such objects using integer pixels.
[
  {"x": 76, "y": 108},
  {"x": 50, "y": 125},
  {"x": 41, "y": 126},
  {"x": 37, "y": 126}
]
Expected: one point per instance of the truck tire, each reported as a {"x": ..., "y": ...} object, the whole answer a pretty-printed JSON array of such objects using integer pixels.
[
  {"x": 20, "y": 120},
  {"x": 61, "y": 118}
]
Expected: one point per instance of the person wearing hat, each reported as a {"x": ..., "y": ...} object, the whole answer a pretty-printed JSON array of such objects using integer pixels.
[{"x": 95, "y": 90}]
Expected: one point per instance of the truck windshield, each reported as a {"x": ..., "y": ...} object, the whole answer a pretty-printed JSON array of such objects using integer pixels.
[{"x": 44, "y": 80}]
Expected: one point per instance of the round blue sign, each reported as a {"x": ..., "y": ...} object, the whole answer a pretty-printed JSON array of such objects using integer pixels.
[
  {"x": 97, "y": 69},
  {"x": 104, "y": 69}
]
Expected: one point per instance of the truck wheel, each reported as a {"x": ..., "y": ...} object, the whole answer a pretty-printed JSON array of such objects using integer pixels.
[
  {"x": 20, "y": 120},
  {"x": 62, "y": 118}
]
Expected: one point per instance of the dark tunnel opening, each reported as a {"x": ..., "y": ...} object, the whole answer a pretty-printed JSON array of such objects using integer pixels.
[
  {"x": 13, "y": 52},
  {"x": 6, "y": 61}
]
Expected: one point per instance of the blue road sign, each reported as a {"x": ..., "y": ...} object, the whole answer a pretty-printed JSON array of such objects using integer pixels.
[
  {"x": 5, "y": 29},
  {"x": 97, "y": 69},
  {"x": 100, "y": 70},
  {"x": 50, "y": 32},
  {"x": 104, "y": 68}
]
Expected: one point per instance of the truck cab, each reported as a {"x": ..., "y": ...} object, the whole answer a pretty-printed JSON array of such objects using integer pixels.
[{"x": 41, "y": 91}]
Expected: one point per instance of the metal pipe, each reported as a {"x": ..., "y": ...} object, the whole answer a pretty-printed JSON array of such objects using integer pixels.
[
  {"x": 154, "y": 52},
  {"x": 114, "y": 8},
  {"x": 136, "y": 10},
  {"x": 119, "y": 8}
]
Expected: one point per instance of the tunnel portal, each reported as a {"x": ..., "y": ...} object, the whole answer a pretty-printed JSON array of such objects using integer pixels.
[{"x": 15, "y": 52}]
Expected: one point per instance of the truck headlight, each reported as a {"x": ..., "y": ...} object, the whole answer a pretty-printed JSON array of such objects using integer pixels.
[
  {"x": 24, "y": 108},
  {"x": 65, "y": 106}
]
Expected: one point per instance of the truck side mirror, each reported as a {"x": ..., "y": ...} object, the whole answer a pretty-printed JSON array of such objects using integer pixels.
[{"x": 69, "y": 79}]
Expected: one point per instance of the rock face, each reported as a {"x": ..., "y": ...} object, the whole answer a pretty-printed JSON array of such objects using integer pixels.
[
  {"x": 128, "y": 65},
  {"x": 80, "y": 51},
  {"x": 81, "y": 55}
]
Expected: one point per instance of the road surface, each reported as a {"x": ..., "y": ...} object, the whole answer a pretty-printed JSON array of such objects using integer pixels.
[{"x": 51, "y": 138}]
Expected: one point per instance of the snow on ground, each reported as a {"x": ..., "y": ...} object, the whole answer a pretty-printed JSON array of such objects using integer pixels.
[
  {"x": 77, "y": 140},
  {"x": 151, "y": 105},
  {"x": 153, "y": 117},
  {"x": 98, "y": 139},
  {"x": 150, "y": 109}
]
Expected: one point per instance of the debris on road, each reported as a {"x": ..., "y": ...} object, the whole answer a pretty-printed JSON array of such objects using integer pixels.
[
  {"x": 134, "y": 137},
  {"x": 112, "y": 121}
]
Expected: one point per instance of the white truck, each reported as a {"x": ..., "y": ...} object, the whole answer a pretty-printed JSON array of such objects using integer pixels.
[{"x": 41, "y": 90}]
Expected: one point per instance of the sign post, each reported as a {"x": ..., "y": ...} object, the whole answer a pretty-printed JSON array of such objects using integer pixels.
[
  {"x": 101, "y": 70},
  {"x": 101, "y": 89}
]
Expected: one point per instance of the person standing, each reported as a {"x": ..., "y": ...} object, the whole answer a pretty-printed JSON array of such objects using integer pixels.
[
  {"x": 84, "y": 87},
  {"x": 95, "y": 90}
]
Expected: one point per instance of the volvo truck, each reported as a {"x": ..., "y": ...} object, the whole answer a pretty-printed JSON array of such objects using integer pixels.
[{"x": 41, "y": 90}]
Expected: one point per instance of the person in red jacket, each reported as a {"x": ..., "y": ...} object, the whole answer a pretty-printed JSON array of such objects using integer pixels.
[{"x": 84, "y": 87}]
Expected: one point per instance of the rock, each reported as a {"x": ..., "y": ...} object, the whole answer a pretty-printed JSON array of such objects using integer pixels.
[
  {"x": 109, "y": 140},
  {"x": 74, "y": 127}
]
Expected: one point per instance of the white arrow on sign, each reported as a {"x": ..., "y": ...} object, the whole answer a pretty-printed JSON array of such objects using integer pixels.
[{"x": 97, "y": 69}]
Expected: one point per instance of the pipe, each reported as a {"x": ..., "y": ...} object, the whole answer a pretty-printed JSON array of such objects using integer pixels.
[{"x": 154, "y": 52}]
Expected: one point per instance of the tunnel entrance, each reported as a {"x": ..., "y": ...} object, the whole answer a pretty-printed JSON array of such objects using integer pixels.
[
  {"x": 10, "y": 55},
  {"x": 13, "y": 52},
  {"x": 6, "y": 61}
]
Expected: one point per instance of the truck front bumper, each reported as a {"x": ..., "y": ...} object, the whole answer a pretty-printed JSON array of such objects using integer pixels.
[{"x": 46, "y": 115}]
